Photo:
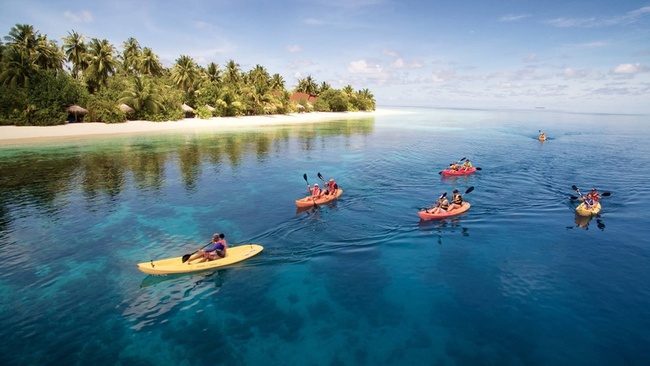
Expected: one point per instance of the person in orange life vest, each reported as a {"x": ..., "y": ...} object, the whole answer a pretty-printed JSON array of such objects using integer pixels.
[
  {"x": 454, "y": 166},
  {"x": 315, "y": 192},
  {"x": 331, "y": 187},
  {"x": 456, "y": 201}
]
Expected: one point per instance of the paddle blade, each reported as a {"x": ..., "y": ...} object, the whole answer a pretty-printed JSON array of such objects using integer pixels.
[
  {"x": 440, "y": 172},
  {"x": 606, "y": 194},
  {"x": 573, "y": 198},
  {"x": 304, "y": 176},
  {"x": 469, "y": 189},
  {"x": 574, "y": 188},
  {"x": 320, "y": 176},
  {"x": 477, "y": 168},
  {"x": 462, "y": 159},
  {"x": 186, "y": 257}
]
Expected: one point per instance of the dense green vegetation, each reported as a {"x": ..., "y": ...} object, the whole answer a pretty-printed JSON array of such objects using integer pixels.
[{"x": 39, "y": 80}]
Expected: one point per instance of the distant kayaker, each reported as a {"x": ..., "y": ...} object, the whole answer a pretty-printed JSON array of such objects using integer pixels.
[
  {"x": 454, "y": 166},
  {"x": 466, "y": 165},
  {"x": 442, "y": 204},
  {"x": 542, "y": 135},
  {"x": 216, "y": 250},
  {"x": 456, "y": 201},
  {"x": 592, "y": 198},
  {"x": 315, "y": 192}
]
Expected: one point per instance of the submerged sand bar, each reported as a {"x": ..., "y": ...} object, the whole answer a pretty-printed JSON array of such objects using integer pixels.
[{"x": 28, "y": 134}]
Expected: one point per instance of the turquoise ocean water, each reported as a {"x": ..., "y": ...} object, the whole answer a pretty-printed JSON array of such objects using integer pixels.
[{"x": 517, "y": 280}]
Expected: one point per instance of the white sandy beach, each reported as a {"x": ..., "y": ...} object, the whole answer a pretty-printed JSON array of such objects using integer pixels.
[{"x": 29, "y": 134}]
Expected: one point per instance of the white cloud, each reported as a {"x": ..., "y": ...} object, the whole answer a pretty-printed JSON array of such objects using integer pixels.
[
  {"x": 627, "y": 18},
  {"x": 570, "y": 73},
  {"x": 293, "y": 48},
  {"x": 513, "y": 17},
  {"x": 312, "y": 21},
  {"x": 399, "y": 63},
  {"x": 363, "y": 67},
  {"x": 629, "y": 69},
  {"x": 83, "y": 16}
]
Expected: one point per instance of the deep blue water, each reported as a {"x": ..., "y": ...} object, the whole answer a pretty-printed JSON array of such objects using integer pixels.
[{"x": 516, "y": 280}]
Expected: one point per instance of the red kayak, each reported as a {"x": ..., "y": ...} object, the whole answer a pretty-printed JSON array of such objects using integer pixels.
[
  {"x": 424, "y": 215},
  {"x": 458, "y": 172}
]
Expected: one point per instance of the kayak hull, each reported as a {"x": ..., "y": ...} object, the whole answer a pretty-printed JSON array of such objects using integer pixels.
[
  {"x": 424, "y": 215},
  {"x": 451, "y": 172},
  {"x": 583, "y": 210},
  {"x": 309, "y": 202},
  {"x": 176, "y": 265}
]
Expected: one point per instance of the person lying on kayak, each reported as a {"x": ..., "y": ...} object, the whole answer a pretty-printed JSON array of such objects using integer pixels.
[
  {"x": 442, "y": 204},
  {"x": 315, "y": 192},
  {"x": 454, "y": 166},
  {"x": 456, "y": 201},
  {"x": 215, "y": 251},
  {"x": 331, "y": 187},
  {"x": 466, "y": 165}
]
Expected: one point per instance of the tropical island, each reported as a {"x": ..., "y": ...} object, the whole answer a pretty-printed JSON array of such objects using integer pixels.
[{"x": 89, "y": 80}]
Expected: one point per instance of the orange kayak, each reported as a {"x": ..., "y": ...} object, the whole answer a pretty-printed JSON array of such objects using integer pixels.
[
  {"x": 424, "y": 215},
  {"x": 309, "y": 201}
]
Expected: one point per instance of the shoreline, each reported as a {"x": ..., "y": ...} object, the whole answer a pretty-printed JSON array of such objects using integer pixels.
[{"x": 30, "y": 134}]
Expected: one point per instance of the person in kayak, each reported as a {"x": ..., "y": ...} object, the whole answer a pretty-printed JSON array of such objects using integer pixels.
[
  {"x": 542, "y": 135},
  {"x": 442, "y": 204},
  {"x": 215, "y": 251},
  {"x": 592, "y": 198},
  {"x": 315, "y": 192},
  {"x": 466, "y": 165},
  {"x": 454, "y": 166},
  {"x": 456, "y": 201},
  {"x": 331, "y": 187}
]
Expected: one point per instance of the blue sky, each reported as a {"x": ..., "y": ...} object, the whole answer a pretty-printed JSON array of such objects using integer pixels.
[{"x": 581, "y": 56}]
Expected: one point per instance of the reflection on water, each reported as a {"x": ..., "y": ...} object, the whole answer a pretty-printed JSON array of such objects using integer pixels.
[
  {"x": 583, "y": 222},
  {"x": 37, "y": 175}
]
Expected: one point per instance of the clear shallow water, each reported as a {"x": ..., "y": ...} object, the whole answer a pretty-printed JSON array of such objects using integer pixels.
[{"x": 361, "y": 281}]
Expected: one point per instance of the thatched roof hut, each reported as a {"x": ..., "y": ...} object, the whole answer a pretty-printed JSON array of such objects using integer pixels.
[
  {"x": 76, "y": 113},
  {"x": 186, "y": 108},
  {"x": 211, "y": 108},
  {"x": 76, "y": 109},
  {"x": 125, "y": 108}
]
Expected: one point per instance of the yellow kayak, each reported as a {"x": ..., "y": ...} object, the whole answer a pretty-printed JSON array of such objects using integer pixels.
[
  {"x": 583, "y": 210},
  {"x": 542, "y": 138},
  {"x": 176, "y": 265}
]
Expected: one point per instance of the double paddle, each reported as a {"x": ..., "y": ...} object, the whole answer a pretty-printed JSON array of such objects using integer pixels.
[
  {"x": 304, "y": 176},
  {"x": 575, "y": 188},
  {"x": 445, "y": 195}
]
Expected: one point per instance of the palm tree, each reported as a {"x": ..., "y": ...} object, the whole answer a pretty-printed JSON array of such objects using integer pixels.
[
  {"x": 233, "y": 73},
  {"x": 324, "y": 86},
  {"x": 101, "y": 63},
  {"x": 149, "y": 63},
  {"x": 307, "y": 85},
  {"x": 277, "y": 82},
  {"x": 142, "y": 95},
  {"x": 18, "y": 68},
  {"x": 213, "y": 73},
  {"x": 348, "y": 90},
  {"x": 75, "y": 52},
  {"x": 184, "y": 73},
  {"x": 131, "y": 56},
  {"x": 22, "y": 36},
  {"x": 259, "y": 76}
]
